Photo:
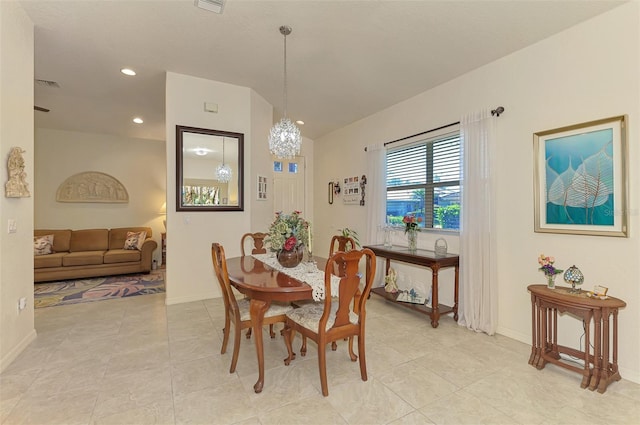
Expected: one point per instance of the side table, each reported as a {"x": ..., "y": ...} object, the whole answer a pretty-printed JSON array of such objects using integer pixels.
[{"x": 599, "y": 370}]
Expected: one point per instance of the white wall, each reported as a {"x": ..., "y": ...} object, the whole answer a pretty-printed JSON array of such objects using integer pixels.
[
  {"x": 139, "y": 164},
  {"x": 587, "y": 72},
  {"x": 190, "y": 234},
  {"x": 16, "y": 130}
]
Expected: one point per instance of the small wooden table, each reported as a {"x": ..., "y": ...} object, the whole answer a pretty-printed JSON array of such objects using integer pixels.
[
  {"x": 598, "y": 372},
  {"x": 421, "y": 257}
]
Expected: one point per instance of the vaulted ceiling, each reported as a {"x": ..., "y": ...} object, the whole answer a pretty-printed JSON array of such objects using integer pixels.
[{"x": 346, "y": 59}]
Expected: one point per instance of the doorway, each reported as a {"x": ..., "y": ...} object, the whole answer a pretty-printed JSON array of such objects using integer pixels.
[{"x": 288, "y": 184}]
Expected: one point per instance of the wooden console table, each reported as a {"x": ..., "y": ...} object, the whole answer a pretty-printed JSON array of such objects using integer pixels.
[
  {"x": 421, "y": 257},
  {"x": 598, "y": 371}
]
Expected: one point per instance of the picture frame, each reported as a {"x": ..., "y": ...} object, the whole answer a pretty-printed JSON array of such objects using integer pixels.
[
  {"x": 261, "y": 192},
  {"x": 580, "y": 178}
]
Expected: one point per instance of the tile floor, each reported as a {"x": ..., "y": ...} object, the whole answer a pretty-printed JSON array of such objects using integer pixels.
[{"x": 136, "y": 361}]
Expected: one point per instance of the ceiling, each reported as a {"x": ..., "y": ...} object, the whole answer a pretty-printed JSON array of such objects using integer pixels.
[{"x": 345, "y": 59}]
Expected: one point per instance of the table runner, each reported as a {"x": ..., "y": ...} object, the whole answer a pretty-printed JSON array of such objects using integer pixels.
[{"x": 314, "y": 278}]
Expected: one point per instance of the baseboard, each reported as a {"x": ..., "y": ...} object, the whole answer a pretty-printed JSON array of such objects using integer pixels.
[{"x": 15, "y": 351}]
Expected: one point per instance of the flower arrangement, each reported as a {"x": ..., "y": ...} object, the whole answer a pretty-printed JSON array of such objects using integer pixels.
[
  {"x": 288, "y": 231},
  {"x": 546, "y": 265},
  {"x": 411, "y": 223}
]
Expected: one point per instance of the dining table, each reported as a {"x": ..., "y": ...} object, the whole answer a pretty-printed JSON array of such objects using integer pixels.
[{"x": 263, "y": 284}]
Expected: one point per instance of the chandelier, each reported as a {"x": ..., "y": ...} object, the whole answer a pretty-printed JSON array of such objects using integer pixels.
[
  {"x": 285, "y": 139},
  {"x": 223, "y": 171}
]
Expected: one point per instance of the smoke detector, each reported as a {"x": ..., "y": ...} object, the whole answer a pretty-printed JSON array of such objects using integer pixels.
[{"x": 211, "y": 5}]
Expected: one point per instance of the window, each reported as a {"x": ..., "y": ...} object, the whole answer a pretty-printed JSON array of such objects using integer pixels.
[{"x": 423, "y": 179}]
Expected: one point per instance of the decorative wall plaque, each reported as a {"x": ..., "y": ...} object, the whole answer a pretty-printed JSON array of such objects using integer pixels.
[
  {"x": 17, "y": 186},
  {"x": 92, "y": 186}
]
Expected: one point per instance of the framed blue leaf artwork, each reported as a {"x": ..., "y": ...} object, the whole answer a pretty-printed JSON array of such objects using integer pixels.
[{"x": 581, "y": 178}]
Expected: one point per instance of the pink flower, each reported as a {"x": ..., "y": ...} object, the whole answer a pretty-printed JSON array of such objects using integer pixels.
[{"x": 290, "y": 243}]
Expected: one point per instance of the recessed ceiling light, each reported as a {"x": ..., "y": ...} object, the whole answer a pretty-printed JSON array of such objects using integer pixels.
[
  {"x": 127, "y": 71},
  {"x": 300, "y": 122},
  {"x": 138, "y": 120},
  {"x": 201, "y": 151}
]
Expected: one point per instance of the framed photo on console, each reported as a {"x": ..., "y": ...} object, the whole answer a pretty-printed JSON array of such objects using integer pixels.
[{"x": 580, "y": 178}]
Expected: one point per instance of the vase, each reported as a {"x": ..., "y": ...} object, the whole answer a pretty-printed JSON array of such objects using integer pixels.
[
  {"x": 412, "y": 238},
  {"x": 551, "y": 281},
  {"x": 290, "y": 259}
]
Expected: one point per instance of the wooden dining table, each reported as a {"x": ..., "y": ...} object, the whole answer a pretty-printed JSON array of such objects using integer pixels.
[{"x": 263, "y": 285}]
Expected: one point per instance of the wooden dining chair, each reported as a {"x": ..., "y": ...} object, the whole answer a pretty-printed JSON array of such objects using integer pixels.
[
  {"x": 258, "y": 248},
  {"x": 258, "y": 242},
  {"x": 237, "y": 311},
  {"x": 341, "y": 243},
  {"x": 335, "y": 318}
]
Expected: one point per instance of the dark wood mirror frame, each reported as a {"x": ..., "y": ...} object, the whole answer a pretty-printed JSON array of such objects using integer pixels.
[{"x": 234, "y": 142}]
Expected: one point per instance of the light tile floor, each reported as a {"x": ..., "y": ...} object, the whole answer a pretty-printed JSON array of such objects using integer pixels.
[{"x": 136, "y": 361}]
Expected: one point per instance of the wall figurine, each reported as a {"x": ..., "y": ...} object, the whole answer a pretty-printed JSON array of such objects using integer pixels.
[{"x": 17, "y": 186}]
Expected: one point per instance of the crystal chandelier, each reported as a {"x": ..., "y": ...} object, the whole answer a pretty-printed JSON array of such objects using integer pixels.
[
  {"x": 285, "y": 139},
  {"x": 223, "y": 171}
]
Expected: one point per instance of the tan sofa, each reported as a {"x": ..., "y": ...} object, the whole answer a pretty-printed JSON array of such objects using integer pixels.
[{"x": 91, "y": 253}]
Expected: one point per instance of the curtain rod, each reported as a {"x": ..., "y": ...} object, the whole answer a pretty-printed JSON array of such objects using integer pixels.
[{"x": 495, "y": 112}]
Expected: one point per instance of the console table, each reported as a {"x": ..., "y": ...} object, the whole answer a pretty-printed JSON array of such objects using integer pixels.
[
  {"x": 598, "y": 371},
  {"x": 421, "y": 257}
]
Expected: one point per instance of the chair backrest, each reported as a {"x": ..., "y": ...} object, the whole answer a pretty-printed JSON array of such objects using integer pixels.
[
  {"x": 220, "y": 266},
  {"x": 350, "y": 299},
  {"x": 340, "y": 243},
  {"x": 258, "y": 242}
]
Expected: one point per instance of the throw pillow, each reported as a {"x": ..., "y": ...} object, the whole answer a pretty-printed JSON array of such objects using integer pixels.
[
  {"x": 42, "y": 245},
  {"x": 135, "y": 240}
]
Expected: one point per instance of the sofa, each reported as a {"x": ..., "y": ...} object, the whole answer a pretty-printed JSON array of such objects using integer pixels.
[{"x": 74, "y": 254}]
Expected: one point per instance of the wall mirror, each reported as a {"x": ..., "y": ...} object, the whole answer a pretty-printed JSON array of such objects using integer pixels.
[{"x": 209, "y": 170}]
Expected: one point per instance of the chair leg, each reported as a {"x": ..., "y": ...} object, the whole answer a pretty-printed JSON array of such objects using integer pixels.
[
  {"x": 334, "y": 346},
  {"x": 288, "y": 335},
  {"x": 236, "y": 349},
  {"x": 351, "y": 353},
  {"x": 248, "y": 333},
  {"x": 363, "y": 362},
  {"x": 271, "y": 332},
  {"x": 322, "y": 367},
  {"x": 225, "y": 337},
  {"x": 303, "y": 347}
]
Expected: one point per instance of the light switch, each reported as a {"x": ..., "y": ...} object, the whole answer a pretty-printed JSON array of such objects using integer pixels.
[{"x": 12, "y": 226}]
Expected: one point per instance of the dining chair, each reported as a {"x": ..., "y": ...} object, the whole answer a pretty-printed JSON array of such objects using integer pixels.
[
  {"x": 258, "y": 242},
  {"x": 258, "y": 248},
  {"x": 341, "y": 317},
  {"x": 339, "y": 243},
  {"x": 237, "y": 311}
]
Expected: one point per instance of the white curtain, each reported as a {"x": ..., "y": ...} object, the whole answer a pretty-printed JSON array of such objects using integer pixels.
[
  {"x": 478, "y": 308},
  {"x": 376, "y": 200}
]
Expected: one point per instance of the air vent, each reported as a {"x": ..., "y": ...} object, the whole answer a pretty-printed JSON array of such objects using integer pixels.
[
  {"x": 211, "y": 5},
  {"x": 48, "y": 83}
]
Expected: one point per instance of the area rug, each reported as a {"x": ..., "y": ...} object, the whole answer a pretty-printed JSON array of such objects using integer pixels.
[{"x": 75, "y": 291}]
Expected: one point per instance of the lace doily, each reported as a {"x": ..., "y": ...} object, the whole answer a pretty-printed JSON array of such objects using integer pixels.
[{"x": 302, "y": 272}]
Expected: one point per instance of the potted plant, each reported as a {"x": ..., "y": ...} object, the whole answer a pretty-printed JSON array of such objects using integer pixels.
[{"x": 288, "y": 234}]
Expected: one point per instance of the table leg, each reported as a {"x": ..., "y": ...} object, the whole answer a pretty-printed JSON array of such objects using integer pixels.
[
  {"x": 435, "y": 313},
  {"x": 257, "y": 308},
  {"x": 604, "y": 366},
  {"x": 534, "y": 329},
  {"x": 586, "y": 374},
  {"x": 597, "y": 351},
  {"x": 456, "y": 292}
]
